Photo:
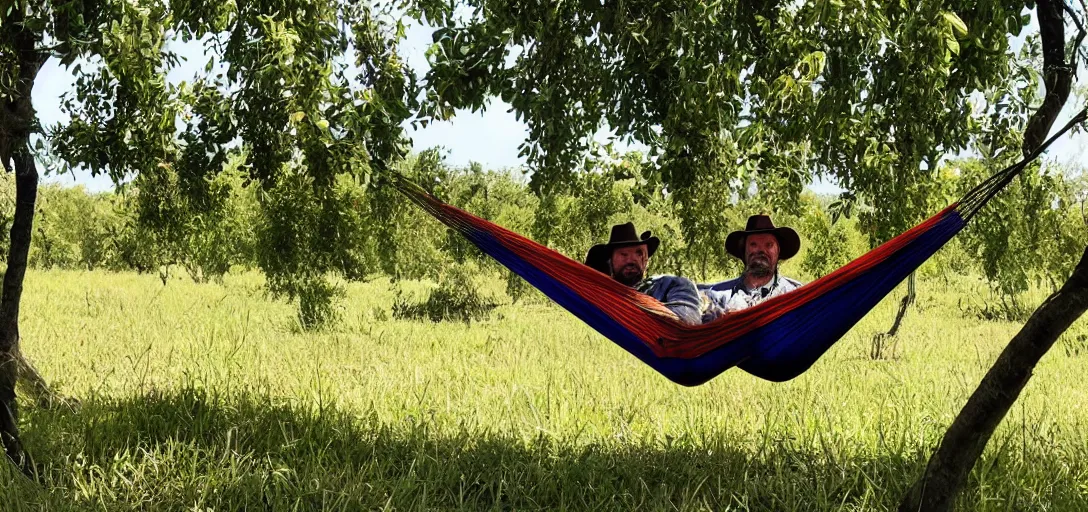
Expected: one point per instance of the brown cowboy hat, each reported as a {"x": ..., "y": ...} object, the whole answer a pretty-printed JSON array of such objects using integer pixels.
[
  {"x": 623, "y": 235},
  {"x": 788, "y": 241}
]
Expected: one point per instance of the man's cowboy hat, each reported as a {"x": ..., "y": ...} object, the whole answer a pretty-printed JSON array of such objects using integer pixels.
[
  {"x": 788, "y": 241},
  {"x": 623, "y": 235}
]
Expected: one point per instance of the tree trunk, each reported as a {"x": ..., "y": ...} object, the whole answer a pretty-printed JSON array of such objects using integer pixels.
[
  {"x": 966, "y": 438},
  {"x": 1057, "y": 74},
  {"x": 969, "y": 433},
  {"x": 26, "y": 194},
  {"x": 17, "y": 121}
]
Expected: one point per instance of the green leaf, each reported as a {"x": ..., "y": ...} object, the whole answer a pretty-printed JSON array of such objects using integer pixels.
[
  {"x": 957, "y": 24},
  {"x": 953, "y": 45}
]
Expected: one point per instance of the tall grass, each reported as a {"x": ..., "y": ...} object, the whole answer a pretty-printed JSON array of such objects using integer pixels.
[{"x": 208, "y": 397}]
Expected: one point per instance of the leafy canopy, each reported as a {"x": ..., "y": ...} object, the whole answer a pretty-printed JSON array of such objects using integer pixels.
[
  {"x": 311, "y": 96},
  {"x": 739, "y": 93}
]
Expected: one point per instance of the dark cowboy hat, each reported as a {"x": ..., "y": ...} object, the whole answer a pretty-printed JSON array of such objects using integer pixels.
[
  {"x": 788, "y": 241},
  {"x": 623, "y": 235}
]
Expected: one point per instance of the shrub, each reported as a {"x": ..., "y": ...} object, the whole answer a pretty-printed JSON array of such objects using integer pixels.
[
  {"x": 319, "y": 301},
  {"x": 457, "y": 298},
  {"x": 830, "y": 245}
]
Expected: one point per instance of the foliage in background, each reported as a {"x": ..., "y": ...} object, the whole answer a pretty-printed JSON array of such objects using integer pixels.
[
  {"x": 76, "y": 229},
  {"x": 301, "y": 99},
  {"x": 382, "y": 234},
  {"x": 830, "y": 245},
  {"x": 1030, "y": 235}
]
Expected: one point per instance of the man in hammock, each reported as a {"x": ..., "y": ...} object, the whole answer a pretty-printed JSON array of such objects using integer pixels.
[
  {"x": 760, "y": 246},
  {"x": 625, "y": 258}
]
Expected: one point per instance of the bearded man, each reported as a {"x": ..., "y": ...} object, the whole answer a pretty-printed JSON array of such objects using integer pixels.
[
  {"x": 625, "y": 258},
  {"x": 760, "y": 246}
]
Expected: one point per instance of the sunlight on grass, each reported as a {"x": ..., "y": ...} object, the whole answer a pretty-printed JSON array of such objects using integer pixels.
[{"x": 208, "y": 397}]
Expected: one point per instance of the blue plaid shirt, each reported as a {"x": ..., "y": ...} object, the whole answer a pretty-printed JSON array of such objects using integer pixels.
[{"x": 679, "y": 294}]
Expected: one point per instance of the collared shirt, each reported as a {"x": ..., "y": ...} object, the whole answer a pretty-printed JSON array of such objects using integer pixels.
[
  {"x": 732, "y": 295},
  {"x": 679, "y": 294}
]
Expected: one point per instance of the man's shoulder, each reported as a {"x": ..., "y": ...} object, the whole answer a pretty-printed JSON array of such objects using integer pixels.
[
  {"x": 669, "y": 279},
  {"x": 792, "y": 282},
  {"x": 719, "y": 286}
]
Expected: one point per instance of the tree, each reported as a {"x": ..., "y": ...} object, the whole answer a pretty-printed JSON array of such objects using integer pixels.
[
  {"x": 730, "y": 94},
  {"x": 1015, "y": 251},
  {"x": 311, "y": 93},
  {"x": 22, "y": 55},
  {"x": 969, "y": 433},
  {"x": 733, "y": 94}
]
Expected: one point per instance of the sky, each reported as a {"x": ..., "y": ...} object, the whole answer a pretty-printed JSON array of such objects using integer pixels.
[{"x": 490, "y": 138}]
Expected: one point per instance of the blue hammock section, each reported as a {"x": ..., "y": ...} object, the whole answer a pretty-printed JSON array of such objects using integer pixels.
[{"x": 789, "y": 346}]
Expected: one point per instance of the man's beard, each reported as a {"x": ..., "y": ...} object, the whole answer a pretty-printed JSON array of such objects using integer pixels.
[
  {"x": 759, "y": 265},
  {"x": 629, "y": 275}
]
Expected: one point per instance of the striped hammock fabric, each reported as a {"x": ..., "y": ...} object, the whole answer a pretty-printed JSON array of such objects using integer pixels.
[{"x": 775, "y": 340}]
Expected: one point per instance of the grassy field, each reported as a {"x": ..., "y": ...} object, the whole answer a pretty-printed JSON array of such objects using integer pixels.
[{"x": 207, "y": 397}]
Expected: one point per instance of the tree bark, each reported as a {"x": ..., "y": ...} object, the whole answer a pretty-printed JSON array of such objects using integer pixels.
[
  {"x": 26, "y": 193},
  {"x": 17, "y": 121},
  {"x": 1057, "y": 73},
  {"x": 971, "y": 430},
  {"x": 964, "y": 441}
]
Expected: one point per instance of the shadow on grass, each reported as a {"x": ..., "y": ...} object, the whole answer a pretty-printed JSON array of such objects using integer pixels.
[{"x": 192, "y": 450}]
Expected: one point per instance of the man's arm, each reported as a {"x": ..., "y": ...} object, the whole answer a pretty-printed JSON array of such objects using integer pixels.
[
  {"x": 681, "y": 297},
  {"x": 716, "y": 303}
]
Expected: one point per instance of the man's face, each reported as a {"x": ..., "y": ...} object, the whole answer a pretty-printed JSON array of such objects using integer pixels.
[
  {"x": 760, "y": 254},
  {"x": 629, "y": 264}
]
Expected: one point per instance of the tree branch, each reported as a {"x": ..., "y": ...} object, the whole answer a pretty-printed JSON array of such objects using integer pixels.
[
  {"x": 1083, "y": 52},
  {"x": 1080, "y": 32},
  {"x": 1057, "y": 74}
]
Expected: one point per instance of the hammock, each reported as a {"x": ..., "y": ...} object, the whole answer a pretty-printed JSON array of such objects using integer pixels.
[{"x": 775, "y": 340}]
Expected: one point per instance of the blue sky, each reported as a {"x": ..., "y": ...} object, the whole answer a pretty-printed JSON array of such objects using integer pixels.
[{"x": 490, "y": 138}]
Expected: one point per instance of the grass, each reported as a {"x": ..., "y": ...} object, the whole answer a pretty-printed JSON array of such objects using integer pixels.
[{"x": 208, "y": 397}]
